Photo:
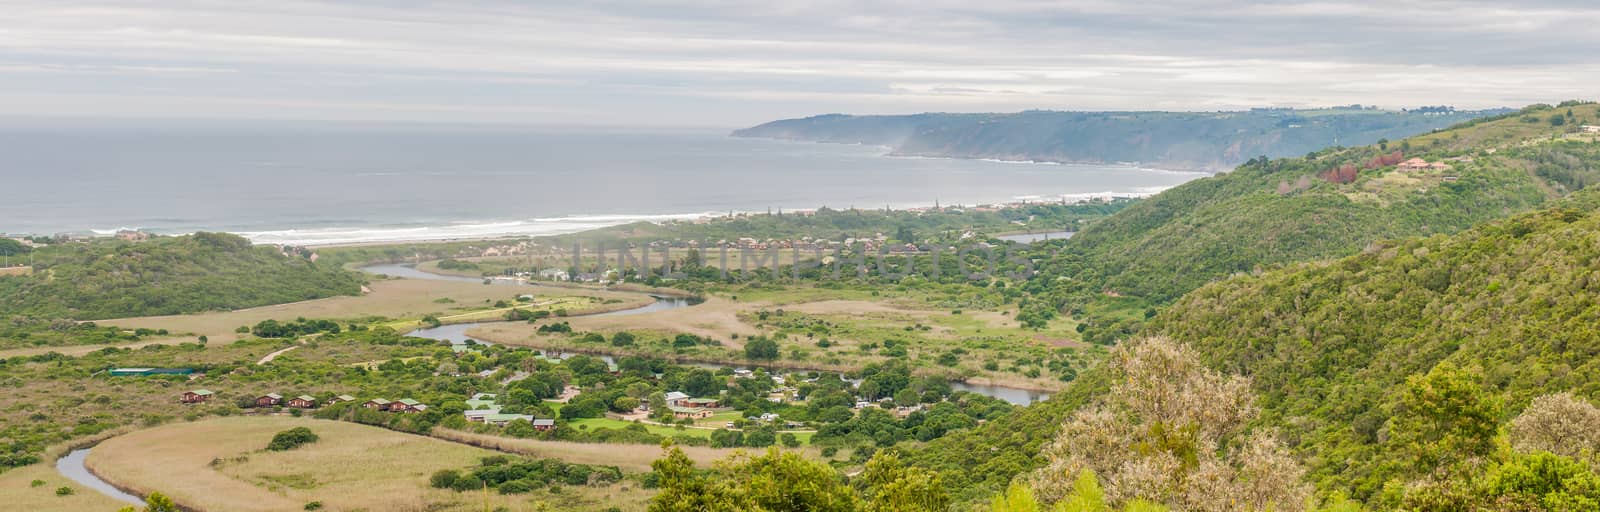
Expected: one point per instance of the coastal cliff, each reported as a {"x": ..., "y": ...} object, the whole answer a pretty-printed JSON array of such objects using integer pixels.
[{"x": 1212, "y": 141}]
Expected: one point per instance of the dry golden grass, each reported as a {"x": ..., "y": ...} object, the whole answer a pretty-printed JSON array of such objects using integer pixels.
[
  {"x": 396, "y": 298},
  {"x": 629, "y": 457},
  {"x": 17, "y": 492},
  {"x": 352, "y": 467},
  {"x": 716, "y": 318}
]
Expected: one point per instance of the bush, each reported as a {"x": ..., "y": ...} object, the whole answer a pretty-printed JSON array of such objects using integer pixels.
[
  {"x": 64, "y": 491},
  {"x": 444, "y": 478},
  {"x": 291, "y": 439},
  {"x": 516, "y": 487},
  {"x": 467, "y": 483},
  {"x": 761, "y": 348},
  {"x": 315, "y": 505}
]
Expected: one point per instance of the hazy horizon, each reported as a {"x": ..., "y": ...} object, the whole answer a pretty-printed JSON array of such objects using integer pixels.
[{"x": 728, "y": 65}]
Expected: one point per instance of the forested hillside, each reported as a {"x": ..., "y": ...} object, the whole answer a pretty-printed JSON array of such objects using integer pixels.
[
  {"x": 170, "y": 275},
  {"x": 1330, "y": 203},
  {"x": 1329, "y": 345},
  {"x": 1513, "y": 291},
  {"x": 1190, "y": 140}
]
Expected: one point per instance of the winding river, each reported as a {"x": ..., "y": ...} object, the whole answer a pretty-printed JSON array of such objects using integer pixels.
[
  {"x": 457, "y": 333},
  {"x": 72, "y": 467}
]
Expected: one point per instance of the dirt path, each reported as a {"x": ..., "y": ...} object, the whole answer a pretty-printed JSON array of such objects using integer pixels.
[{"x": 269, "y": 357}]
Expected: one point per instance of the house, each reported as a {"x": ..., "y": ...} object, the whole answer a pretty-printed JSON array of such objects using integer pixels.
[
  {"x": 1589, "y": 128},
  {"x": 500, "y": 420},
  {"x": 769, "y": 417},
  {"x": 341, "y": 398},
  {"x": 691, "y": 413},
  {"x": 196, "y": 396},
  {"x": 377, "y": 404},
  {"x": 303, "y": 402},
  {"x": 1418, "y": 164},
  {"x": 703, "y": 403},
  {"x": 676, "y": 398},
  {"x": 269, "y": 400},
  {"x": 131, "y": 235},
  {"x": 407, "y": 405},
  {"x": 544, "y": 425},
  {"x": 479, "y": 415}
]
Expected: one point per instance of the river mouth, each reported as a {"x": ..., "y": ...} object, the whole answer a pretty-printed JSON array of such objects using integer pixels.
[{"x": 72, "y": 466}]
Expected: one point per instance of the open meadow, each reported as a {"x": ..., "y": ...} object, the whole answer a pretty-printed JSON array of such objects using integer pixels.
[
  {"x": 221, "y": 465},
  {"x": 838, "y": 330},
  {"x": 407, "y": 299},
  {"x": 35, "y": 488}
]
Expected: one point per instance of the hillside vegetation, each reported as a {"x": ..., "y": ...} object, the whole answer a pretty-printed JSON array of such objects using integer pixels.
[
  {"x": 1191, "y": 140},
  {"x": 1330, "y": 203},
  {"x": 1329, "y": 345},
  {"x": 164, "y": 276}
]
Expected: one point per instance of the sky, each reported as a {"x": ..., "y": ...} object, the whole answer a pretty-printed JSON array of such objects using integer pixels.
[{"x": 739, "y": 62}]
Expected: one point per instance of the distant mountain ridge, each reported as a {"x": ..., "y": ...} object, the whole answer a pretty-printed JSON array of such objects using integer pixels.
[{"x": 1180, "y": 140}]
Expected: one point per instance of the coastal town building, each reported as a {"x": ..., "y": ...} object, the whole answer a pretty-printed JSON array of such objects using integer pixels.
[
  {"x": 479, "y": 415},
  {"x": 690, "y": 413},
  {"x": 1418, "y": 164}
]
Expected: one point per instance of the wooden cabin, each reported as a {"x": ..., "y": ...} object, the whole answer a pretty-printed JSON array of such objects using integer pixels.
[
  {"x": 407, "y": 405},
  {"x": 196, "y": 396},
  {"x": 303, "y": 402},
  {"x": 269, "y": 400}
]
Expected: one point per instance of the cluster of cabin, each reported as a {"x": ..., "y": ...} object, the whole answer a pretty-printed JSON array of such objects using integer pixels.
[
  {"x": 270, "y": 399},
  {"x": 401, "y": 405},
  {"x": 481, "y": 408}
]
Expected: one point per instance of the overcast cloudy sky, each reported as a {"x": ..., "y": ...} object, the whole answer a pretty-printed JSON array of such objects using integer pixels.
[{"x": 731, "y": 63}]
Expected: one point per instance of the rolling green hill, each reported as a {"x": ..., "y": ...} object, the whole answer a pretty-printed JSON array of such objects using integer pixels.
[
  {"x": 1328, "y": 204},
  {"x": 1189, "y": 140},
  {"x": 1329, "y": 345},
  {"x": 165, "y": 275}
]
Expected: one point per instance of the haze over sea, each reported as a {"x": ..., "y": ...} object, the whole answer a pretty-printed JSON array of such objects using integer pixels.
[{"x": 323, "y": 183}]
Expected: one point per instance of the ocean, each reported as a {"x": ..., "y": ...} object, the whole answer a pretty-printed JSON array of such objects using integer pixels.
[{"x": 324, "y": 183}]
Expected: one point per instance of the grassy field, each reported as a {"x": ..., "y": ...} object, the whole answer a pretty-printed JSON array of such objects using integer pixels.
[
  {"x": 409, "y": 299},
  {"x": 629, "y": 457},
  {"x": 220, "y": 465},
  {"x": 18, "y": 490},
  {"x": 993, "y": 347}
]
